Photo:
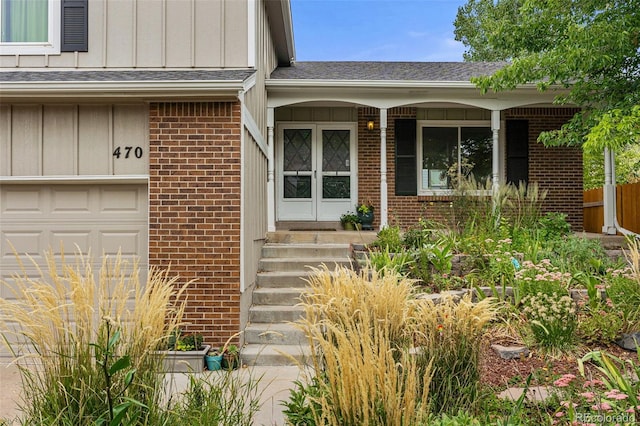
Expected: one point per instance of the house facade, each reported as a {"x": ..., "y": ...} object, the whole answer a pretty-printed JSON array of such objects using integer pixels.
[{"x": 180, "y": 132}]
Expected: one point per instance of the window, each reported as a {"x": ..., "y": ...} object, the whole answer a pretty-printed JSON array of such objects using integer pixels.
[
  {"x": 43, "y": 27},
  {"x": 448, "y": 153},
  {"x": 29, "y": 27}
]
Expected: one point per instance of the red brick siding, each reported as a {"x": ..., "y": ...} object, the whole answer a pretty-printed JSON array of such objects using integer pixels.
[
  {"x": 559, "y": 170},
  {"x": 194, "y": 208}
]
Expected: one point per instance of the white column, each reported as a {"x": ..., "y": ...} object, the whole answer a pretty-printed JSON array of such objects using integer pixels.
[
  {"x": 384, "y": 208},
  {"x": 495, "y": 163},
  {"x": 609, "y": 194},
  {"x": 271, "y": 184}
]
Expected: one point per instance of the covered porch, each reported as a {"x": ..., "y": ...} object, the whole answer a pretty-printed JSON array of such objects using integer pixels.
[{"x": 395, "y": 144}]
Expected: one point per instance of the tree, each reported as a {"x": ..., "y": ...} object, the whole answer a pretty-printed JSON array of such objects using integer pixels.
[
  {"x": 588, "y": 47},
  {"x": 627, "y": 167}
]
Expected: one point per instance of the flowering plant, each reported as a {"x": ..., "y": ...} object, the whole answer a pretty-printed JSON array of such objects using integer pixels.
[
  {"x": 552, "y": 320},
  {"x": 610, "y": 398}
]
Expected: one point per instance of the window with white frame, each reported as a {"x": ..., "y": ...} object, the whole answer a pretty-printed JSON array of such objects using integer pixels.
[
  {"x": 29, "y": 27},
  {"x": 448, "y": 152}
]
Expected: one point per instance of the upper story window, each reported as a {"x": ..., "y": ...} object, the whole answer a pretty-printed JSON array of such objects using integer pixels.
[
  {"x": 29, "y": 27},
  {"x": 448, "y": 152}
]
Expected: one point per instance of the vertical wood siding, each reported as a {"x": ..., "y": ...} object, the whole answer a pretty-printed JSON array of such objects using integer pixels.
[
  {"x": 155, "y": 34},
  {"x": 54, "y": 140}
]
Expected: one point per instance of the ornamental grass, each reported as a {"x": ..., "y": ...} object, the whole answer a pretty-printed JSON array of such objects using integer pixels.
[
  {"x": 449, "y": 335},
  {"x": 83, "y": 340},
  {"x": 357, "y": 324}
]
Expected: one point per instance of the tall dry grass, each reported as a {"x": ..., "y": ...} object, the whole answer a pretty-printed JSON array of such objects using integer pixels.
[
  {"x": 356, "y": 324},
  {"x": 449, "y": 335},
  {"x": 632, "y": 254},
  {"x": 62, "y": 318}
]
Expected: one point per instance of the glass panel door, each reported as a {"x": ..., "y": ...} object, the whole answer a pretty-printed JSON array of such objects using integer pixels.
[
  {"x": 336, "y": 164},
  {"x": 315, "y": 171}
]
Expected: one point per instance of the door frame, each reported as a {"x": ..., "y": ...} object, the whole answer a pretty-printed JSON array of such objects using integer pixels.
[{"x": 316, "y": 130}]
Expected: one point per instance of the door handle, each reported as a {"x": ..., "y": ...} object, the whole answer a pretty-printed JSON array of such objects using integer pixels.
[{"x": 315, "y": 174}]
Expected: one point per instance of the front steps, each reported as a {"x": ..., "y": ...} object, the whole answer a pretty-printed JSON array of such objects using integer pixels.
[{"x": 270, "y": 338}]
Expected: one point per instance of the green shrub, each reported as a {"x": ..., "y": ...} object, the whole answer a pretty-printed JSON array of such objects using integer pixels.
[
  {"x": 390, "y": 238},
  {"x": 554, "y": 225}
]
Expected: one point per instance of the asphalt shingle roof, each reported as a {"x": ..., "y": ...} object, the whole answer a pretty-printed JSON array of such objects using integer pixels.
[
  {"x": 386, "y": 71},
  {"x": 121, "y": 76}
]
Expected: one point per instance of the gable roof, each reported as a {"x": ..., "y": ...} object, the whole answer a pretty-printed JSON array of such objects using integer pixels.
[{"x": 386, "y": 71}]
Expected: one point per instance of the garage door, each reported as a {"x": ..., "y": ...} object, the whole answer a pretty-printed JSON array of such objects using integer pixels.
[{"x": 93, "y": 219}]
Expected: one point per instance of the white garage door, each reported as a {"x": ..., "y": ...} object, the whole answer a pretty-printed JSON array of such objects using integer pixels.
[{"x": 96, "y": 219}]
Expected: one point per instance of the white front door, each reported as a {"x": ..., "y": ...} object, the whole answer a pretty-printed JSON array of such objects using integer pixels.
[{"x": 316, "y": 171}]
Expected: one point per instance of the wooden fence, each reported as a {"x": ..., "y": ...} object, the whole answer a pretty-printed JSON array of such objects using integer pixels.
[{"x": 628, "y": 208}]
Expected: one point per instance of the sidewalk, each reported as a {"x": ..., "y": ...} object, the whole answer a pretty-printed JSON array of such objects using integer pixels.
[{"x": 275, "y": 385}]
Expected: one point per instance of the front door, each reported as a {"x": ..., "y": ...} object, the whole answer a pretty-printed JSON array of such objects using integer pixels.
[{"x": 316, "y": 178}]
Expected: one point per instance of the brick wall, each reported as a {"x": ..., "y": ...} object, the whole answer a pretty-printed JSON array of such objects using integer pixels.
[
  {"x": 194, "y": 208},
  {"x": 556, "y": 169},
  {"x": 559, "y": 170}
]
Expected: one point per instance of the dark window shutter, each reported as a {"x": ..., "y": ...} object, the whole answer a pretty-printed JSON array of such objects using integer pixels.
[
  {"x": 75, "y": 29},
  {"x": 517, "y": 151},
  {"x": 406, "y": 172}
]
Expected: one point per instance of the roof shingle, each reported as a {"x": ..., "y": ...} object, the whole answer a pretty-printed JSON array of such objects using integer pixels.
[{"x": 386, "y": 71}]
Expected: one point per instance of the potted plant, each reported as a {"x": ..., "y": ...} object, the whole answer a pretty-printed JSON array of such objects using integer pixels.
[
  {"x": 365, "y": 215},
  {"x": 230, "y": 357},
  {"x": 214, "y": 360},
  {"x": 349, "y": 221},
  {"x": 183, "y": 353}
]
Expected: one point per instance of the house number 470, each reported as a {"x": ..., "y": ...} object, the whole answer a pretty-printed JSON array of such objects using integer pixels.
[{"x": 128, "y": 152}]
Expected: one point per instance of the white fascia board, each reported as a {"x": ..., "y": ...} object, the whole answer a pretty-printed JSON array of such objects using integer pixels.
[{"x": 74, "y": 89}]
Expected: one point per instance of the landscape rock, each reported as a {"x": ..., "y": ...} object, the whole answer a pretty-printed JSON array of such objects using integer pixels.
[
  {"x": 629, "y": 341},
  {"x": 511, "y": 352},
  {"x": 534, "y": 393}
]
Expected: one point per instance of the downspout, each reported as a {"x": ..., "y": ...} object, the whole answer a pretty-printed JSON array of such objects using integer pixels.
[{"x": 612, "y": 162}]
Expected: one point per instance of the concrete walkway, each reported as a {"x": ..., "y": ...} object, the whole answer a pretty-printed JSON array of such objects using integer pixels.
[{"x": 275, "y": 384}]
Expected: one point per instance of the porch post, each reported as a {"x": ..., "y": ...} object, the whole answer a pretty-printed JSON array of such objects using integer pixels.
[
  {"x": 609, "y": 194},
  {"x": 495, "y": 164},
  {"x": 384, "y": 208},
  {"x": 271, "y": 186}
]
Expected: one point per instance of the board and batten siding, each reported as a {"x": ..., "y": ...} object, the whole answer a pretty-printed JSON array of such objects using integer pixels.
[
  {"x": 73, "y": 140},
  {"x": 155, "y": 34}
]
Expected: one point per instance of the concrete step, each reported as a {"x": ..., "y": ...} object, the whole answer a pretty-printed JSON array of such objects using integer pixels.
[
  {"x": 274, "y": 334},
  {"x": 321, "y": 237},
  {"x": 305, "y": 250},
  {"x": 300, "y": 264},
  {"x": 277, "y": 296},
  {"x": 274, "y": 313},
  {"x": 275, "y": 355},
  {"x": 291, "y": 279}
]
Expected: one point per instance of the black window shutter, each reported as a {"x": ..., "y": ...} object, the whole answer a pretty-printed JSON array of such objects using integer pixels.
[
  {"x": 517, "y": 151},
  {"x": 406, "y": 172},
  {"x": 75, "y": 29}
]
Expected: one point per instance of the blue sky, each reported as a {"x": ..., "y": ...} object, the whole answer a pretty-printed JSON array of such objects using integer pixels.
[{"x": 375, "y": 30}]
